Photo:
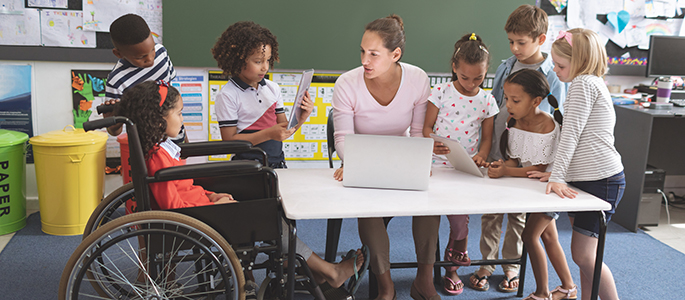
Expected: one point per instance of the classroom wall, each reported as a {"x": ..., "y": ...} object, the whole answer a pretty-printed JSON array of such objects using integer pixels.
[{"x": 326, "y": 34}]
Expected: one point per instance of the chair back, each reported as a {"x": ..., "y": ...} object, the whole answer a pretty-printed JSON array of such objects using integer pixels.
[{"x": 330, "y": 139}]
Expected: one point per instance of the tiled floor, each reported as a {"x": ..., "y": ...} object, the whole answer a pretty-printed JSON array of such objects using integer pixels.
[{"x": 672, "y": 234}]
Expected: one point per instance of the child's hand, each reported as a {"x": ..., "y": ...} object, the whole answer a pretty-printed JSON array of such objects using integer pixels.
[
  {"x": 497, "y": 169},
  {"x": 110, "y": 102},
  {"x": 544, "y": 176},
  {"x": 440, "y": 148},
  {"x": 480, "y": 161},
  {"x": 279, "y": 132},
  {"x": 338, "y": 175},
  {"x": 307, "y": 106},
  {"x": 225, "y": 200},
  {"x": 561, "y": 189},
  {"x": 216, "y": 197}
]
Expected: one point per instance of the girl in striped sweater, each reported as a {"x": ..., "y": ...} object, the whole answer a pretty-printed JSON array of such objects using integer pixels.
[{"x": 586, "y": 139}]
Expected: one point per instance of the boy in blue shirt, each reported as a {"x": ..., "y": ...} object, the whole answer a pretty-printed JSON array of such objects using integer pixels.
[
  {"x": 140, "y": 59},
  {"x": 526, "y": 30}
]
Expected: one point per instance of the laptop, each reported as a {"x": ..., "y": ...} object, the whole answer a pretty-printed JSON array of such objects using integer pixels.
[
  {"x": 458, "y": 157},
  {"x": 387, "y": 162}
]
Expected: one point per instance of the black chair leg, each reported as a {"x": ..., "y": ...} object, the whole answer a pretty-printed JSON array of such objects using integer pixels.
[{"x": 332, "y": 239}]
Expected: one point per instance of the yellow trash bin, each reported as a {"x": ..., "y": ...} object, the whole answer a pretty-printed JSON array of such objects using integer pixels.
[{"x": 70, "y": 168}]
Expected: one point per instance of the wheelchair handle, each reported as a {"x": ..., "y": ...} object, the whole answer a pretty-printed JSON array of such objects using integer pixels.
[
  {"x": 105, "y": 108},
  {"x": 102, "y": 123}
]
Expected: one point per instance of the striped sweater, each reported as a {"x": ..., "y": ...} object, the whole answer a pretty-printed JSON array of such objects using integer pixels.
[
  {"x": 125, "y": 75},
  {"x": 586, "y": 149}
]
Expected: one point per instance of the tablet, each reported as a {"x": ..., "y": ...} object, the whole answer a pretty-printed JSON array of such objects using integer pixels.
[
  {"x": 296, "y": 111},
  {"x": 458, "y": 156}
]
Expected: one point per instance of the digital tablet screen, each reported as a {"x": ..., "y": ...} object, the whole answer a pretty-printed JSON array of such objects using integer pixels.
[{"x": 296, "y": 111}]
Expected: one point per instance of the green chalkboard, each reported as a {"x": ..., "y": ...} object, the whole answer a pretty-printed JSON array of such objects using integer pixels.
[{"x": 325, "y": 34}]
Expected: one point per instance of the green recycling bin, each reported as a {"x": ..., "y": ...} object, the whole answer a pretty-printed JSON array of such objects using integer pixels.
[{"x": 12, "y": 180}]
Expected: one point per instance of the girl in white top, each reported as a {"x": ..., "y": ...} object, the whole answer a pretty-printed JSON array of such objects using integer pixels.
[
  {"x": 462, "y": 111},
  {"x": 386, "y": 97},
  {"x": 586, "y": 138},
  {"x": 528, "y": 144}
]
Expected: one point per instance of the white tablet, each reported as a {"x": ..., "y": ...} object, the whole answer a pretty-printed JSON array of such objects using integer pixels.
[
  {"x": 458, "y": 156},
  {"x": 296, "y": 111}
]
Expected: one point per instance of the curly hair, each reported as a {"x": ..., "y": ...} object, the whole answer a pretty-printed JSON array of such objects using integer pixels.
[
  {"x": 238, "y": 42},
  {"x": 140, "y": 104}
]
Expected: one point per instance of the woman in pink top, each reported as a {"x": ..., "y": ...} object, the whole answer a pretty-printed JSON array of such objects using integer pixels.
[{"x": 386, "y": 97}]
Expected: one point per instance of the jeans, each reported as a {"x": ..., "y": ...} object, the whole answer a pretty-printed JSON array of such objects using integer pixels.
[{"x": 608, "y": 189}]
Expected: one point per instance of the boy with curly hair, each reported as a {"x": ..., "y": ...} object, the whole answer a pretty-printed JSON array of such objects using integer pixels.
[{"x": 250, "y": 107}]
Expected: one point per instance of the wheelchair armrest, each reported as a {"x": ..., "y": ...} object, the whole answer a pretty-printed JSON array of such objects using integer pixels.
[
  {"x": 207, "y": 170},
  {"x": 214, "y": 148}
]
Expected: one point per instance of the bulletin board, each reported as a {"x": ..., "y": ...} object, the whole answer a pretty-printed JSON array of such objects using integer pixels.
[
  {"x": 624, "y": 25},
  {"x": 310, "y": 141}
]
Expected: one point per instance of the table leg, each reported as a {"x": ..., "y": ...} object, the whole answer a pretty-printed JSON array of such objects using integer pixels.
[
  {"x": 600, "y": 255},
  {"x": 523, "y": 260},
  {"x": 332, "y": 239}
]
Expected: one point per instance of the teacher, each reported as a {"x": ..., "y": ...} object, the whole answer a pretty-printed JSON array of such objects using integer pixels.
[{"x": 386, "y": 97}]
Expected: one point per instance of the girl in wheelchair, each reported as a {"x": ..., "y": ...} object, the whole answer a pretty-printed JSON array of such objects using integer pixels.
[{"x": 156, "y": 109}]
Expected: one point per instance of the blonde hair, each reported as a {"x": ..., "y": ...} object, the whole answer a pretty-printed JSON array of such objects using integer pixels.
[{"x": 587, "y": 55}]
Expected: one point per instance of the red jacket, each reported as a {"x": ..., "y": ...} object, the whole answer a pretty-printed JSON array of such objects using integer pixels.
[{"x": 175, "y": 193}]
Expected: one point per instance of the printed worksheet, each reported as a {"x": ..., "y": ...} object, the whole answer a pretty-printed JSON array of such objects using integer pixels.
[{"x": 62, "y": 28}]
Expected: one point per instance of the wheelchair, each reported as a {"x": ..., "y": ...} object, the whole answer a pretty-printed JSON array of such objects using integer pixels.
[{"x": 189, "y": 253}]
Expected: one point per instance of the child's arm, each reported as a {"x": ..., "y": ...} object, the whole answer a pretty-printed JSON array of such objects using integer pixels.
[
  {"x": 431, "y": 116},
  {"x": 485, "y": 142},
  {"x": 510, "y": 168},
  {"x": 278, "y": 132}
]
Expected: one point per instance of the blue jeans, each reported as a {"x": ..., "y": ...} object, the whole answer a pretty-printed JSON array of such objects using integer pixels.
[{"x": 608, "y": 189}]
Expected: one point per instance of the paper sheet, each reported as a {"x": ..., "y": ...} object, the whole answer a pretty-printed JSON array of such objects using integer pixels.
[
  {"x": 99, "y": 14},
  {"x": 20, "y": 29},
  {"x": 660, "y": 8},
  {"x": 14, "y": 7},
  {"x": 556, "y": 24},
  {"x": 583, "y": 13},
  {"x": 151, "y": 11},
  {"x": 62, "y": 28},
  {"x": 49, "y": 3}
]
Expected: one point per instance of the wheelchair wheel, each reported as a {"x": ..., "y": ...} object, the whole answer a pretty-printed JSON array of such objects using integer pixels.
[
  {"x": 153, "y": 255},
  {"x": 111, "y": 207}
]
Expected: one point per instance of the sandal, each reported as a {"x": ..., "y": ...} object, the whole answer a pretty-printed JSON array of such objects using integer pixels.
[
  {"x": 457, "y": 257},
  {"x": 447, "y": 282},
  {"x": 505, "y": 289},
  {"x": 483, "y": 288},
  {"x": 567, "y": 293},
  {"x": 533, "y": 297},
  {"x": 355, "y": 281}
]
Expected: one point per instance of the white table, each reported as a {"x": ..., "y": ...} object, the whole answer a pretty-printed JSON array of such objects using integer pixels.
[{"x": 314, "y": 194}]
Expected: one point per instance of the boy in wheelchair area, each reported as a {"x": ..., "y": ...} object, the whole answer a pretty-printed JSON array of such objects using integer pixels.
[{"x": 156, "y": 109}]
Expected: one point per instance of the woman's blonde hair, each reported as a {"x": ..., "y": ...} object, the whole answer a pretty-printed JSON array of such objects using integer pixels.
[{"x": 586, "y": 54}]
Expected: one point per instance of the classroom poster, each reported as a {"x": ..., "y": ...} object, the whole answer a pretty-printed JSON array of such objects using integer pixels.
[
  {"x": 20, "y": 29},
  {"x": 99, "y": 14},
  {"x": 62, "y": 28},
  {"x": 193, "y": 88},
  {"x": 11, "y": 6},
  {"x": 48, "y": 3},
  {"x": 151, "y": 11},
  {"x": 88, "y": 91},
  {"x": 15, "y": 100}
]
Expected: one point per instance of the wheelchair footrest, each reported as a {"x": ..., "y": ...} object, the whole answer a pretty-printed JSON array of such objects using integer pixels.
[{"x": 337, "y": 294}]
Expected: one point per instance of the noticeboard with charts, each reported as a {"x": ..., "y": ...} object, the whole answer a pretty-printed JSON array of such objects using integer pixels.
[{"x": 309, "y": 142}]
